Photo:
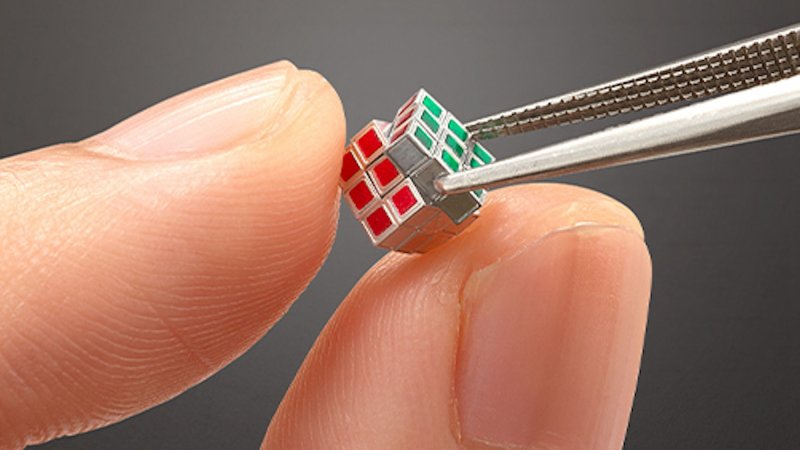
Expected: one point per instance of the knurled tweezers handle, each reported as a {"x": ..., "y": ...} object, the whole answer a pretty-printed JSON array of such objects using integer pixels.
[
  {"x": 752, "y": 114},
  {"x": 756, "y": 61}
]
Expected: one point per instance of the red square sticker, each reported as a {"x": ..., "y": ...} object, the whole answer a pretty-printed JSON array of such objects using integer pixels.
[
  {"x": 404, "y": 200},
  {"x": 349, "y": 167},
  {"x": 361, "y": 195},
  {"x": 379, "y": 221},
  {"x": 369, "y": 142},
  {"x": 385, "y": 172}
]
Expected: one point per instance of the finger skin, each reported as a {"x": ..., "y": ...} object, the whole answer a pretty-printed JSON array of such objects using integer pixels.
[
  {"x": 401, "y": 364},
  {"x": 124, "y": 282}
]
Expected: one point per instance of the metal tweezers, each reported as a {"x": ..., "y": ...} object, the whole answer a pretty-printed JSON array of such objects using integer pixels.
[{"x": 758, "y": 78}]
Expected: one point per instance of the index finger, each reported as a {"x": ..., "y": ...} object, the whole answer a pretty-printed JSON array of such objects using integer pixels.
[{"x": 139, "y": 262}]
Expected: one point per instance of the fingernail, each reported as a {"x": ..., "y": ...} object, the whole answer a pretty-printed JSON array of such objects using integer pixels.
[
  {"x": 551, "y": 342},
  {"x": 216, "y": 116}
]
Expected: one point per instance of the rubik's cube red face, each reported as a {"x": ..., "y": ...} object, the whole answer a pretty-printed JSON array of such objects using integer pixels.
[{"x": 388, "y": 175}]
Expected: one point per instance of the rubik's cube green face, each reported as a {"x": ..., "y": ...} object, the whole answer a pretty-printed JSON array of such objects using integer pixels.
[{"x": 388, "y": 175}]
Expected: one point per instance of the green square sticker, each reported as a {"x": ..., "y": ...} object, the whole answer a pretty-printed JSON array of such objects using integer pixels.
[
  {"x": 454, "y": 145},
  {"x": 450, "y": 160},
  {"x": 458, "y": 129},
  {"x": 423, "y": 137},
  {"x": 430, "y": 121},
  {"x": 482, "y": 153},
  {"x": 432, "y": 106}
]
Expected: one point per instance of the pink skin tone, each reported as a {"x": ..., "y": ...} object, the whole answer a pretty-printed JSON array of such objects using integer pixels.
[{"x": 140, "y": 261}]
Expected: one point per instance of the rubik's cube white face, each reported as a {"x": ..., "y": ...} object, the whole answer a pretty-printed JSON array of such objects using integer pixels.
[{"x": 389, "y": 170}]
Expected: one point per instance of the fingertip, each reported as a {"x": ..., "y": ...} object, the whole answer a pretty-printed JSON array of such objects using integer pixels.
[
  {"x": 395, "y": 355},
  {"x": 516, "y": 216},
  {"x": 547, "y": 207},
  {"x": 551, "y": 340}
]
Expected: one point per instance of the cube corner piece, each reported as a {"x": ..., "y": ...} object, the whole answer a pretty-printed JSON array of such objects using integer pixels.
[{"x": 388, "y": 172}]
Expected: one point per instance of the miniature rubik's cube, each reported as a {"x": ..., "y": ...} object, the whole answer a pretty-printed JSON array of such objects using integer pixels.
[{"x": 389, "y": 170}]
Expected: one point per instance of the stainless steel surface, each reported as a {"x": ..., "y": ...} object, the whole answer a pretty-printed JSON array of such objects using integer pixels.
[
  {"x": 755, "y": 61},
  {"x": 756, "y": 113}
]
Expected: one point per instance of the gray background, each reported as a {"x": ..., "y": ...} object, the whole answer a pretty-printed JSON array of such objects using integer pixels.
[{"x": 721, "y": 362}]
